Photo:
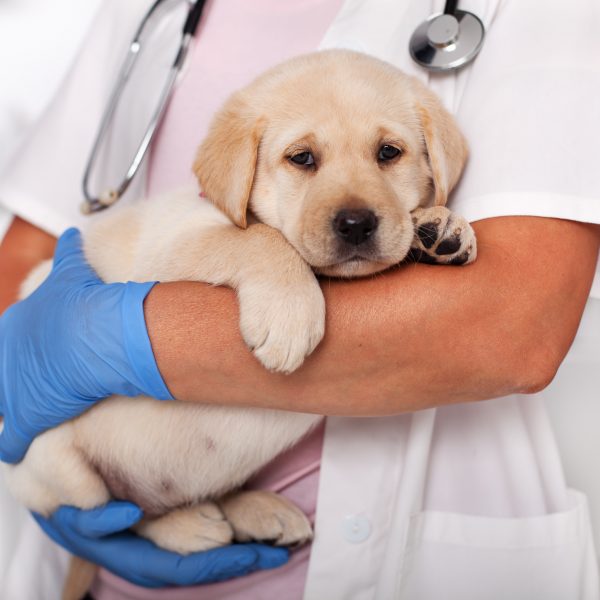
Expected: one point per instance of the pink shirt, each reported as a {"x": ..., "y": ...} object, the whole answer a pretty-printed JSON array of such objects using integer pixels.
[{"x": 237, "y": 40}]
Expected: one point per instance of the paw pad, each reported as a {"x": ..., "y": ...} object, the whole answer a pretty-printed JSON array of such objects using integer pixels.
[
  {"x": 448, "y": 246},
  {"x": 428, "y": 234},
  {"x": 441, "y": 237},
  {"x": 461, "y": 259}
]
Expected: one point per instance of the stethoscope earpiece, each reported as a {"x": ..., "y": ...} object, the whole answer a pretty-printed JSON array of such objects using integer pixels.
[{"x": 447, "y": 41}]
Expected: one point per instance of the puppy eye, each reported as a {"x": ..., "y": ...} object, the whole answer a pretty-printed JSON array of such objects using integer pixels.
[
  {"x": 305, "y": 159},
  {"x": 388, "y": 152}
]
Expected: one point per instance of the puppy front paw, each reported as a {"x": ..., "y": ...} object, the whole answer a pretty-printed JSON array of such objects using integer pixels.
[
  {"x": 189, "y": 529},
  {"x": 282, "y": 322},
  {"x": 266, "y": 517},
  {"x": 442, "y": 238}
]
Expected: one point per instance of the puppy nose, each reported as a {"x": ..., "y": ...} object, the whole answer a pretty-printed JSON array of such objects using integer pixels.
[{"x": 355, "y": 226}]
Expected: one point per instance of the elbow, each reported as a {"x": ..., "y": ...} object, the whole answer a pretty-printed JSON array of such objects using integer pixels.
[
  {"x": 536, "y": 379},
  {"x": 529, "y": 348},
  {"x": 536, "y": 368},
  {"x": 526, "y": 358}
]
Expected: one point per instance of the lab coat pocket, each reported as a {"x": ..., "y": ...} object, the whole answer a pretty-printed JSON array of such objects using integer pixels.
[{"x": 454, "y": 556}]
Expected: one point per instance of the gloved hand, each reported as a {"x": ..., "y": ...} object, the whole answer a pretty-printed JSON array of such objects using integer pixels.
[
  {"x": 72, "y": 342},
  {"x": 98, "y": 536}
]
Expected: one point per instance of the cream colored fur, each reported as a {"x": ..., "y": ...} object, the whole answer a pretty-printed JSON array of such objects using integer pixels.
[{"x": 342, "y": 107}]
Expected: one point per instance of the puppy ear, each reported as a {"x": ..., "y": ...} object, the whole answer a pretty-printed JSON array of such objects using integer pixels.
[
  {"x": 446, "y": 146},
  {"x": 226, "y": 160}
]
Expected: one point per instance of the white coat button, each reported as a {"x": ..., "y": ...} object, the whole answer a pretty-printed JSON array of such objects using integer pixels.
[{"x": 356, "y": 528}]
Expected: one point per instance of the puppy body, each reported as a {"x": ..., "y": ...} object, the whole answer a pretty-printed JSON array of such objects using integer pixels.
[
  {"x": 165, "y": 455},
  {"x": 303, "y": 147}
]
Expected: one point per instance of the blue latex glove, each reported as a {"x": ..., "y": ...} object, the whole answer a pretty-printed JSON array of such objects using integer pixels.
[
  {"x": 72, "y": 342},
  {"x": 98, "y": 536}
]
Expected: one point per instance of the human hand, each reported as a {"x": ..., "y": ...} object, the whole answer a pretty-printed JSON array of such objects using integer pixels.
[
  {"x": 75, "y": 340},
  {"x": 99, "y": 536}
]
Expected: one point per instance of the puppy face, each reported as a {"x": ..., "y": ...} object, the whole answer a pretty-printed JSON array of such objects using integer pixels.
[{"x": 334, "y": 149}]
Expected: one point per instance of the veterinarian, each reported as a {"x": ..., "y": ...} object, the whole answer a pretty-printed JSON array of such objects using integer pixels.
[{"x": 461, "y": 499}]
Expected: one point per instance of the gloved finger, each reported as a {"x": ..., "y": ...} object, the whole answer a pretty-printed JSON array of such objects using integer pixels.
[
  {"x": 68, "y": 244},
  {"x": 98, "y": 522},
  {"x": 13, "y": 444},
  {"x": 270, "y": 557},
  {"x": 214, "y": 565},
  {"x": 140, "y": 559},
  {"x": 69, "y": 255}
]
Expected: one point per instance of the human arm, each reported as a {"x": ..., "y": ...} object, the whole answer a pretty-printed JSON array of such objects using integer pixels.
[
  {"x": 416, "y": 337},
  {"x": 23, "y": 247}
]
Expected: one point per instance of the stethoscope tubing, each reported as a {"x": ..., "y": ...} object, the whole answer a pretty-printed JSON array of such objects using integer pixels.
[
  {"x": 94, "y": 203},
  {"x": 450, "y": 7}
]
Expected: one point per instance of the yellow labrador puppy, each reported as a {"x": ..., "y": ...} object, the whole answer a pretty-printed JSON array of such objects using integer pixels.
[{"x": 332, "y": 163}]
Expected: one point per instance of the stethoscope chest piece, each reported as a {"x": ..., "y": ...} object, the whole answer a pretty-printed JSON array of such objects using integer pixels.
[{"x": 447, "y": 41}]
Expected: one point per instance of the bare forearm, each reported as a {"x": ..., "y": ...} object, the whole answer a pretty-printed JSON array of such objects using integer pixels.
[
  {"x": 23, "y": 247},
  {"x": 380, "y": 355},
  {"x": 416, "y": 337}
]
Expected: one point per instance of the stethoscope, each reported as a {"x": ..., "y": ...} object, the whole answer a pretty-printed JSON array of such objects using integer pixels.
[
  {"x": 444, "y": 42},
  {"x": 447, "y": 41}
]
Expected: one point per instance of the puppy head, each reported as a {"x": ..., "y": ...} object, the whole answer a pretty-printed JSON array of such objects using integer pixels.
[{"x": 334, "y": 149}]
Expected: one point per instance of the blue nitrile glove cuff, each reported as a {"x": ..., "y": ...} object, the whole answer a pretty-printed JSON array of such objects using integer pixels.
[{"x": 137, "y": 343}]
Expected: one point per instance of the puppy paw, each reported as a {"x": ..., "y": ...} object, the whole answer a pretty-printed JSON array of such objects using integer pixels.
[
  {"x": 282, "y": 322},
  {"x": 267, "y": 517},
  {"x": 442, "y": 238},
  {"x": 186, "y": 530}
]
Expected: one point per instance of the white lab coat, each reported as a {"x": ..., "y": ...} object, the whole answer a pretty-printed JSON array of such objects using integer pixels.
[
  {"x": 461, "y": 502},
  {"x": 31, "y": 76}
]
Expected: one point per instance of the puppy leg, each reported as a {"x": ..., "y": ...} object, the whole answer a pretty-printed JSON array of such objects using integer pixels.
[
  {"x": 191, "y": 529},
  {"x": 442, "y": 238},
  {"x": 264, "y": 516},
  {"x": 53, "y": 473},
  {"x": 282, "y": 309}
]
